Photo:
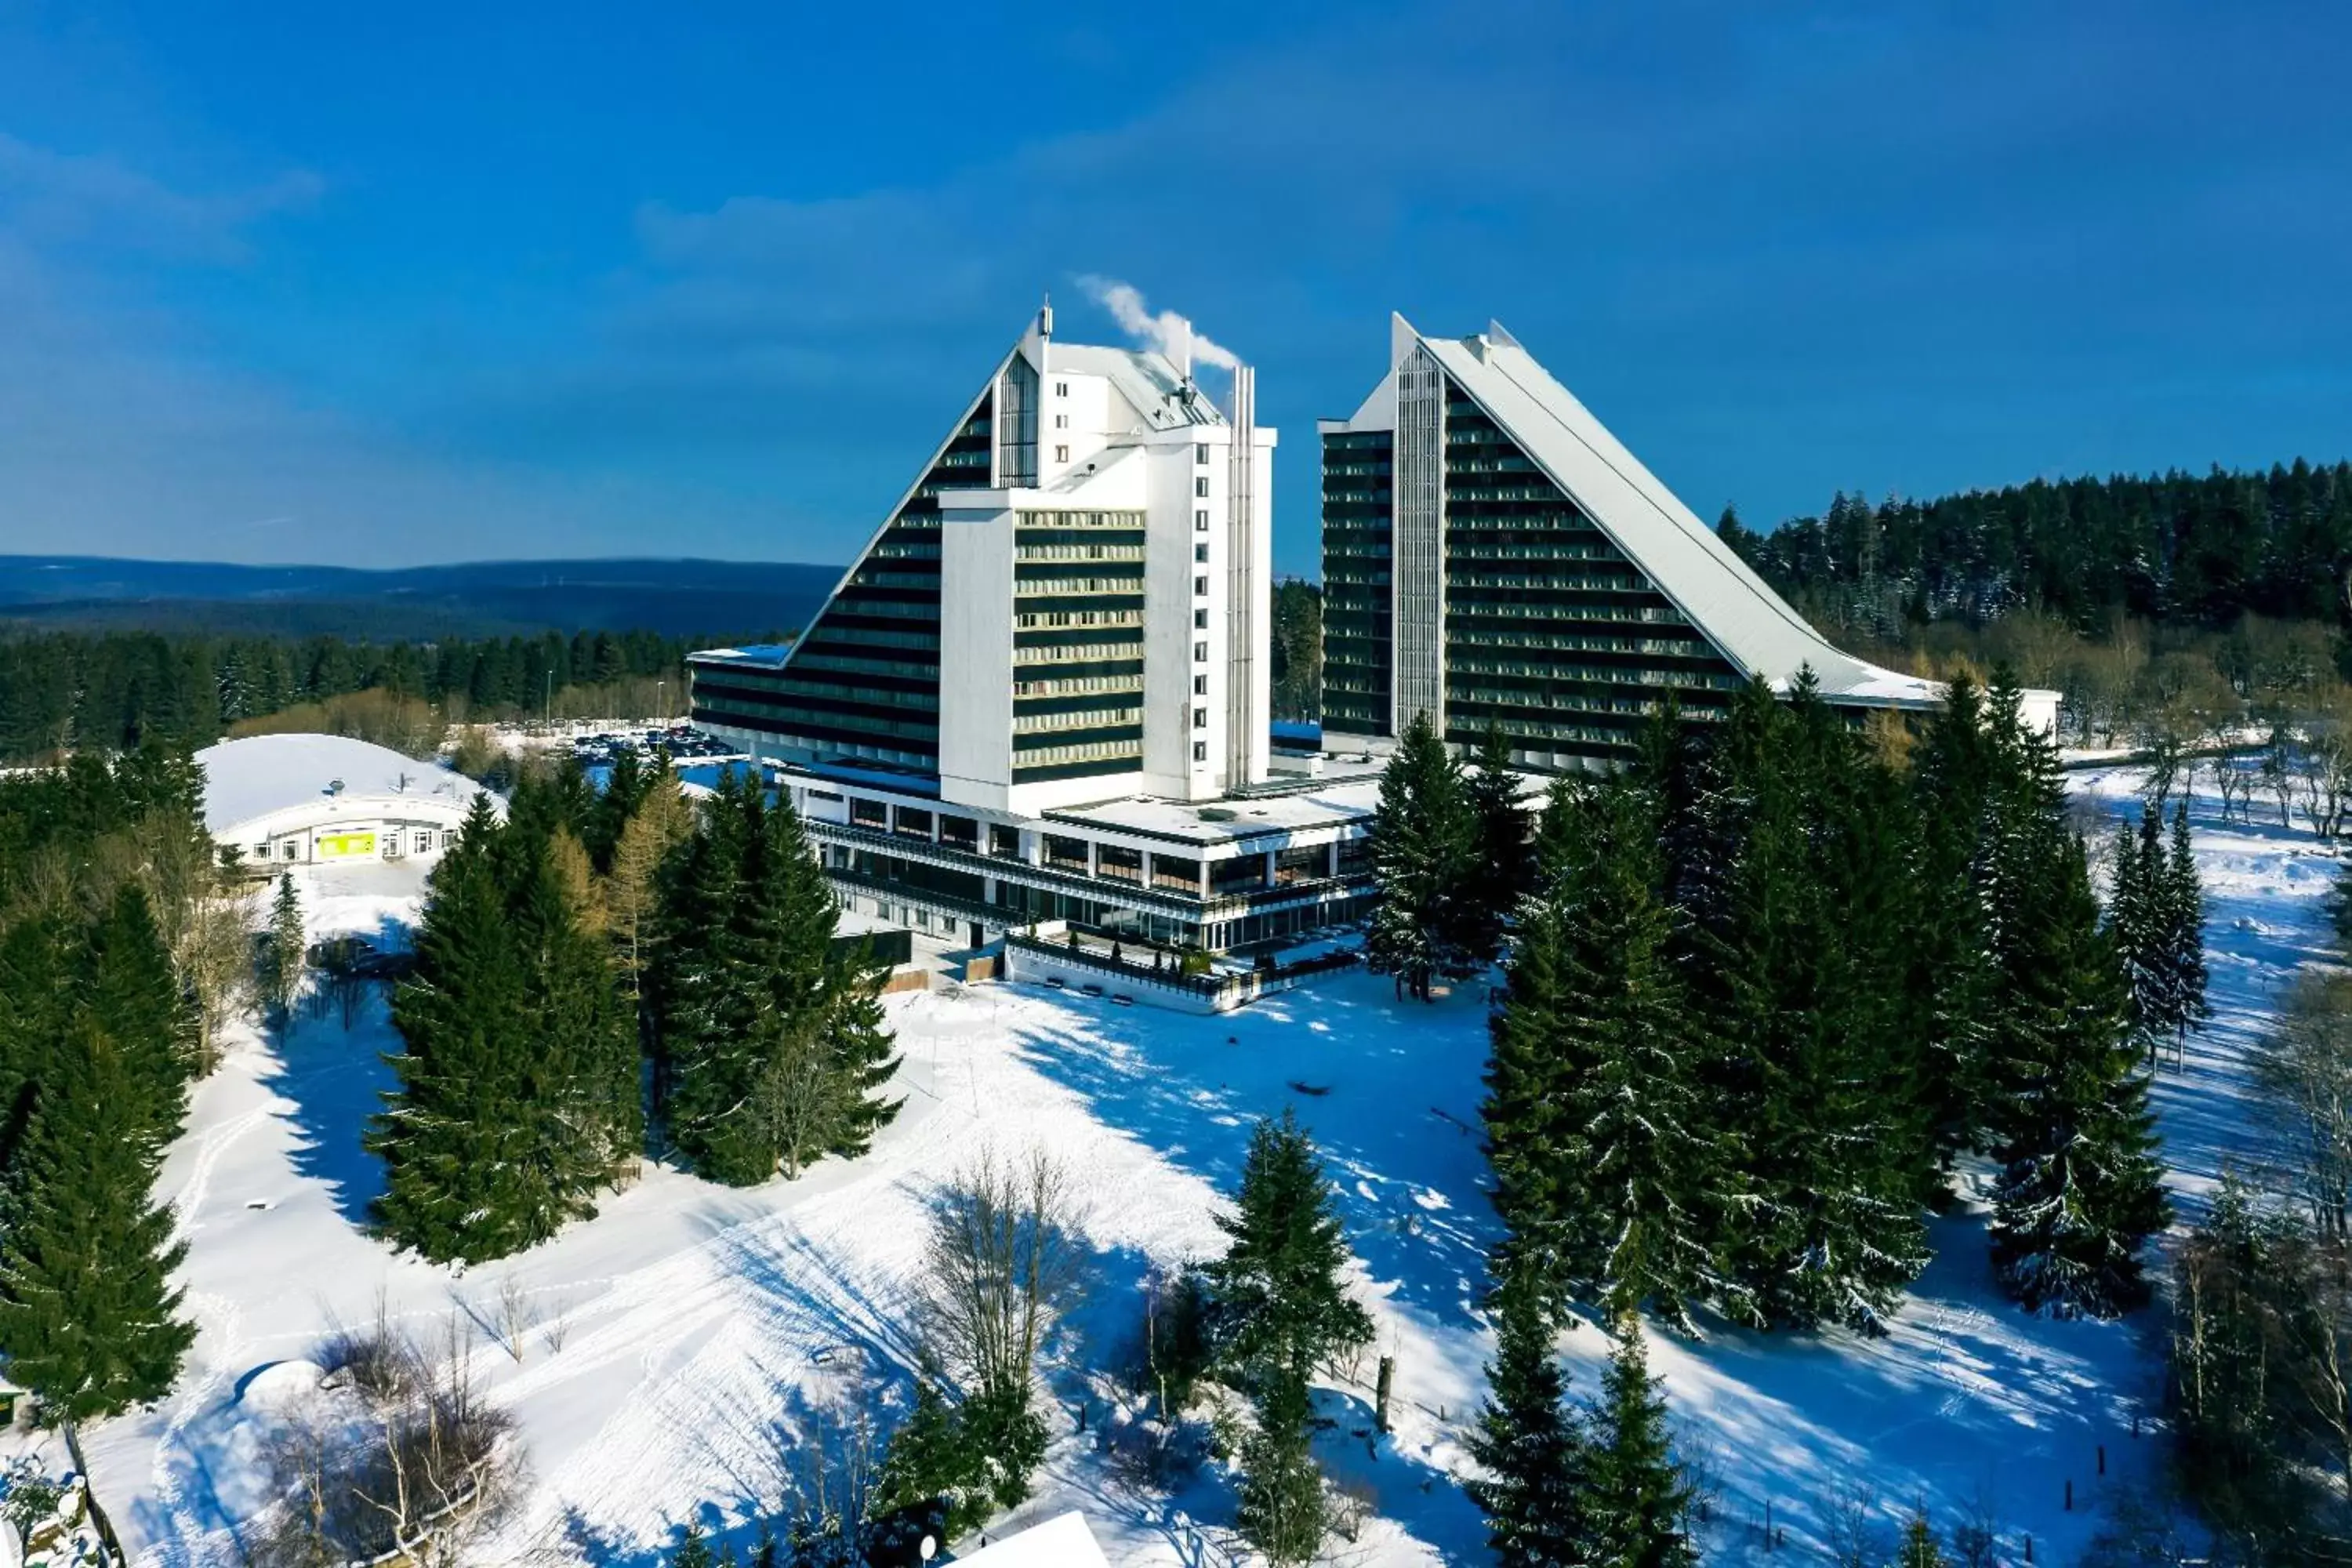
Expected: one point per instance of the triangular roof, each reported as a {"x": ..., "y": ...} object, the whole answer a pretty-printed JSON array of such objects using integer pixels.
[{"x": 1736, "y": 611}]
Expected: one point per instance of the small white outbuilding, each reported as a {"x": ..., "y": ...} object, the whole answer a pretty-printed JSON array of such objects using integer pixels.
[{"x": 302, "y": 800}]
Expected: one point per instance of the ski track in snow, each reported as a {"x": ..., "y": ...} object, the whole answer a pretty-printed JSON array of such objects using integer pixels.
[{"x": 699, "y": 1327}]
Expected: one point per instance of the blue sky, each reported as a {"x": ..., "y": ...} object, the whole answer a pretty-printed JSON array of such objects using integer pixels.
[{"x": 381, "y": 284}]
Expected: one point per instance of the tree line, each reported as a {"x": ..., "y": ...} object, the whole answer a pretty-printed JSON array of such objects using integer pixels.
[
  {"x": 1763, "y": 992},
  {"x": 2177, "y": 548},
  {"x": 70, "y": 691},
  {"x": 584, "y": 936},
  {"x": 111, "y": 965},
  {"x": 2259, "y": 1385},
  {"x": 1765, "y": 989}
]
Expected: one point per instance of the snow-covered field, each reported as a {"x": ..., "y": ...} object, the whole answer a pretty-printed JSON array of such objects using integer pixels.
[{"x": 679, "y": 1333}]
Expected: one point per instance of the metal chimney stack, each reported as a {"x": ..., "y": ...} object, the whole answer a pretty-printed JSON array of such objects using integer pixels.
[{"x": 1245, "y": 718}]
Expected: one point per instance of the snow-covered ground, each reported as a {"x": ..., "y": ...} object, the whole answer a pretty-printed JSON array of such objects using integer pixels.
[{"x": 680, "y": 1333}]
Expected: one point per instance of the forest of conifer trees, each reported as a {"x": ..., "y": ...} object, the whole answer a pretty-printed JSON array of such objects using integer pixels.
[
  {"x": 2199, "y": 550},
  {"x": 590, "y": 930},
  {"x": 69, "y": 690},
  {"x": 100, "y": 1036}
]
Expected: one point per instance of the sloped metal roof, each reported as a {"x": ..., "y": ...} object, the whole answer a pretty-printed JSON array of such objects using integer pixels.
[{"x": 1750, "y": 624}]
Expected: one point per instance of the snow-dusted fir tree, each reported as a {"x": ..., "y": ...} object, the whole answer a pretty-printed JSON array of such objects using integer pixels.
[
  {"x": 1639, "y": 1199},
  {"x": 1527, "y": 1109},
  {"x": 1800, "y": 974},
  {"x": 1280, "y": 1304},
  {"x": 1636, "y": 1499},
  {"x": 124, "y": 984},
  {"x": 2184, "y": 909},
  {"x": 2138, "y": 922},
  {"x": 1955, "y": 973},
  {"x": 497, "y": 1133},
  {"x": 1530, "y": 1446},
  {"x": 1424, "y": 845},
  {"x": 2079, "y": 1190},
  {"x": 1491, "y": 791},
  {"x": 88, "y": 1312},
  {"x": 774, "y": 1052},
  {"x": 283, "y": 952},
  {"x": 1283, "y": 1510}
]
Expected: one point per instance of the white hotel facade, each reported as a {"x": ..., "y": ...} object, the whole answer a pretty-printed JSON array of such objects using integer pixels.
[{"x": 1041, "y": 692}]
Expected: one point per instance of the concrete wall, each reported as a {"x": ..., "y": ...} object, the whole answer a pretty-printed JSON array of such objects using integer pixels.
[{"x": 975, "y": 714}]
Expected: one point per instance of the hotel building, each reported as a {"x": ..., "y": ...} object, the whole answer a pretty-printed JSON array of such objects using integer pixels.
[
  {"x": 1493, "y": 556},
  {"x": 1041, "y": 692}
]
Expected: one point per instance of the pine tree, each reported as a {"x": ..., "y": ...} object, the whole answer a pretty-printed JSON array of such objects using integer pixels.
[
  {"x": 37, "y": 1003},
  {"x": 2137, "y": 921},
  {"x": 1641, "y": 1183},
  {"x": 482, "y": 1140},
  {"x": 1798, "y": 964},
  {"x": 87, "y": 1310},
  {"x": 2080, "y": 1189},
  {"x": 125, "y": 986},
  {"x": 1919, "y": 1549},
  {"x": 283, "y": 955},
  {"x": 775, "y": 1047},
  {"x": 1423, "y": 848},
  {"x": 693, "y": 1551},
  {"x": 2184, "y": 904},
  {"x": 1526, "y": 1107},
  {"x": 1530, "y": 1446},
  {"x": 1283, "y": 1511},
  {"x": 1279, "y": 1302},
  {"x": 1954, "y": 969},
  {"x": 1635, "y": 1500},
  {"x": 1502, "y": 870},
  {"x": 587, "y": 1040}
]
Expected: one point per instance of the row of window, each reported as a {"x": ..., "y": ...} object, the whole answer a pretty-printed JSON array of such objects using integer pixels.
[
  {"x": 1084, "y": 751},
  {"x": 1077, "y": 686},
  {"x": 1078, "y": 553},
  {"x": 1074, "y": 653},
  {"x": 1077, "y": 519},
  {"x": 849, "y": 665},
  {"x": 1047, "y": 587},
  {"x": 1079, "y": 618},
  {"x": 421, "y": 841},
  {"x": 875, "y": 637},
  {"x": 1085, "y": 719}
]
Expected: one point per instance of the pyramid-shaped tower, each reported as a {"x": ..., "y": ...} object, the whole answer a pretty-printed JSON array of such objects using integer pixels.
[
  {"x": 1494, "y": 557},
  {"x": 1069, "y": 605}
]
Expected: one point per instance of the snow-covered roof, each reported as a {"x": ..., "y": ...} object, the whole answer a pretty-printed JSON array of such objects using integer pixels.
[
  {"x": 1750, "y": 624},
  {"x": 1149, "y": 381},
  {"x": 766, "y": 653},
  {"x": 1062, "y": 1541},
  {"x": 250, "y": 778},
  {"x": 1330, "y": 802}
]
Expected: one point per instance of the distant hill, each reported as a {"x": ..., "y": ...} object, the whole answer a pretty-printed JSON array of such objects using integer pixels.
[{"x": 486, "y": 598}]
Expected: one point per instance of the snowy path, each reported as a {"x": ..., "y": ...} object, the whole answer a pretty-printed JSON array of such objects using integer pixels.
[{"x": 680, "y": 1333}]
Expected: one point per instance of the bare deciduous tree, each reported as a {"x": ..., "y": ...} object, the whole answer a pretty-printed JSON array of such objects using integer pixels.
[
  {"x": 1003, "y": 1257},
  {"x": 412, "y": 1468},
  {"x": 2304, "y": 1069}
]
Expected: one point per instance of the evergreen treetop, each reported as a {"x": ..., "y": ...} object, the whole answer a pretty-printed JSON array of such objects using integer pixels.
[
  {"x": 1636, "y": 1497},
  {"x": 1280, "y": 1303},
  {"x": 1428, "y": 924},
  {"x": 87, "y": 1311},
  {"x": 1531, "y": 1446}
]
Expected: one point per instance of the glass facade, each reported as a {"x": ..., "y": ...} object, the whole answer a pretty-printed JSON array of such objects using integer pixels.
[{"x": 1550, "y": 631}]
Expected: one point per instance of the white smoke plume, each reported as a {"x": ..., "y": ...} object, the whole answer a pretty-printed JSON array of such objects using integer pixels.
[{"x": 1161, "y": 329}]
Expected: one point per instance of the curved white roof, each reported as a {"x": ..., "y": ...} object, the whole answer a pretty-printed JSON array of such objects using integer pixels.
[{"x": 259, "y": 774}]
